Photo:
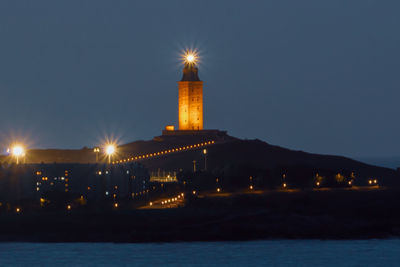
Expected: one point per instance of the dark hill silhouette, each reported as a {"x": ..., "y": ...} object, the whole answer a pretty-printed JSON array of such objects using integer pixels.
[
  {"x": 256, "y": 154},
  {"x": 227, "y": 152}
]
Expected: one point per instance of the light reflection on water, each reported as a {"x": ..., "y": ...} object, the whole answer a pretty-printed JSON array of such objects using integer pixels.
[{"x": 267, "y": 253}]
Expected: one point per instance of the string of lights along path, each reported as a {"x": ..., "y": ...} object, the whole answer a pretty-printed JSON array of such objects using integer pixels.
[{"x": 164, "y": 152}]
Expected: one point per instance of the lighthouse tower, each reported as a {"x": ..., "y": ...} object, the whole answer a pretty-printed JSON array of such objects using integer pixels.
[
  {"x": 190, "y": 106},
  {"x": 190, "y": 96}
]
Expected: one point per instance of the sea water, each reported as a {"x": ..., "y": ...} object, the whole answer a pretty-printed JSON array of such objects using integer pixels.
[{"x": 260, "y": 253}]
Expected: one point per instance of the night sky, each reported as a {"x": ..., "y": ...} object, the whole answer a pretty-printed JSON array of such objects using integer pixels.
[{"x": 318, "y": 76}]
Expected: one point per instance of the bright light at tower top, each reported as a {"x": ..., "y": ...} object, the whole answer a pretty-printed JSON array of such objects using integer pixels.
[{"x": 190, "y": 57}]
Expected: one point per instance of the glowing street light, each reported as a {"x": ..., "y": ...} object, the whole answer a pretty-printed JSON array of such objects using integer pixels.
[
  {"x": 17, "y": 151},
  {"x": 194, "y": 166},
  {"x": 96, "y": 150},
  {"x": 205, "y": 159},
  {"x": 110, "y": 150}
]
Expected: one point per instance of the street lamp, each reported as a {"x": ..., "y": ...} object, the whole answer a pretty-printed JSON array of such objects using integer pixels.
[
  {"x": 110, "y": 150},
  {"x": 96, "y": 150},
  {"x": 205, "y": 159},
  {"x": 17, "y": 151},
  {"x": 194, "y": 166}
]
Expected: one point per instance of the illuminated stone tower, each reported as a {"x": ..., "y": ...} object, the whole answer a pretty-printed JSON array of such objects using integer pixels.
[{"x": 190, "y": 96}]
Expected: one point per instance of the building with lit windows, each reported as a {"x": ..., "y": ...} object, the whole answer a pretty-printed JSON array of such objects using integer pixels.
[{"x": 68, "y": 181}]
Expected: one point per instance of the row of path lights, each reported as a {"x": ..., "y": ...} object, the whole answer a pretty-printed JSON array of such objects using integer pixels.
[
  {"x": 170, "y": 200},
  {"x": 164, "y": 152}
]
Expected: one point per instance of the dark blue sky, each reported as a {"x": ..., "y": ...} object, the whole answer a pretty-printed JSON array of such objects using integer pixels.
[{"x": 319, "y": 76}]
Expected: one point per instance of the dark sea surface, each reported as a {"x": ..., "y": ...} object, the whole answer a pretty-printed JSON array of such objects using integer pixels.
[{"x": 254, "y": 253}]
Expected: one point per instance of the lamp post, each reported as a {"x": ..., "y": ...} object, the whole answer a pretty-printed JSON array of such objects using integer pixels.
[
  {"x": 194, "y": 166},
  {"x": 110, "y": 150},
  {"x": 96, "y": 150},
  {"x": 284, "y": 180},
  {"x": 18, "y": 151},
  {"x": 205, "y": 159}
]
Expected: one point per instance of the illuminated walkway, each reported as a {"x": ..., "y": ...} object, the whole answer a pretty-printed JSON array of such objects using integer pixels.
[{"x": 164, "y": 152}]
